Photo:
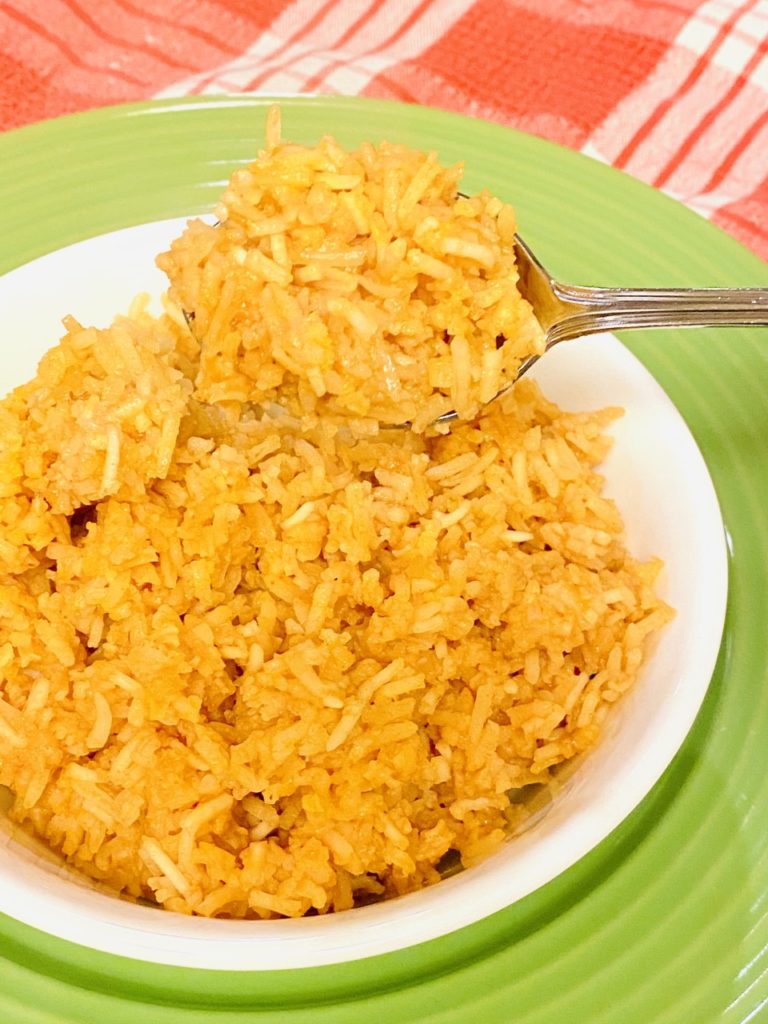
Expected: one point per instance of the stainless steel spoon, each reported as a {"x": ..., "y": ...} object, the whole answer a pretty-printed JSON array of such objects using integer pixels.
[{"x": 567, "y": 311}]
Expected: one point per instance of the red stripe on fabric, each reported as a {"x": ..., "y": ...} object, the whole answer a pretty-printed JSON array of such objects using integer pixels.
[
  {"x": 198, "y": 88},
  {"x": 394, "y": 88},
  {"x": 316, "y": 18},
  {"x": 746, "y": 140},
  {"x": 60, "y": 45},
  {"x": 123, "y": 43},
  {"x": 749, "y": 225},
  {"x": 706, "y": 122},
  {"x": 205, "y": 81},
  {"x": 656, "y": 5},
  {"x": 320, "y": 76},
  {"x": 364, "y": 17},
  {"x": 694, "y": 75},
  {"x": 314, "y": 80},
  {"x": 192, "y": 30},
  {"x": 409, "y": 21}
]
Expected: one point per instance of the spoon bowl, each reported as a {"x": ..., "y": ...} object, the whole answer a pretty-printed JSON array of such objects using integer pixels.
[{"x": 567, "y": 311}]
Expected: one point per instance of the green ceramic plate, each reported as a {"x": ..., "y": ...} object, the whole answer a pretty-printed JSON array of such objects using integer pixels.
[{"x": 666, "y": 922}]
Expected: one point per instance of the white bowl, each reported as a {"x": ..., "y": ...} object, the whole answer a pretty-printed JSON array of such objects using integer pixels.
[{"x": 661, "y": 483}]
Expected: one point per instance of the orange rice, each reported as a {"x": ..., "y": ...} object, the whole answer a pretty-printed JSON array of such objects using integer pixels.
[
  {"x": 355, "y": 284},
  {"x": 255, "y": 663}
]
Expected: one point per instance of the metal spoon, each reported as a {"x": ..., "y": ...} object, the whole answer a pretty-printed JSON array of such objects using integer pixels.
[{"x": 567, "y": 311}]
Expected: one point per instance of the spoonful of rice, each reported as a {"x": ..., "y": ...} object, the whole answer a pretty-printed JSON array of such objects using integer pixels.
[
  {"x": 567, "y": 311},
  {"x": 363, "y": 286}
]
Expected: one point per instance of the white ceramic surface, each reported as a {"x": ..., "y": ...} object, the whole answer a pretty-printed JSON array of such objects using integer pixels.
[{"x": 661, "y": 483}]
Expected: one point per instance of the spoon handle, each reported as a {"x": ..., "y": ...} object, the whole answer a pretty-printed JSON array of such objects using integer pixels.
[{"x": 589, "y": 310}]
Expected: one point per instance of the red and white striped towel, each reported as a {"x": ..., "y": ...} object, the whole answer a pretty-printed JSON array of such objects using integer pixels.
[{"x": 673, "y": 91}]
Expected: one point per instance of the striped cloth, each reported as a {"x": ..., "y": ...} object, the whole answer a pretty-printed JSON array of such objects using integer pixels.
[{"x": 673, "y": 91}]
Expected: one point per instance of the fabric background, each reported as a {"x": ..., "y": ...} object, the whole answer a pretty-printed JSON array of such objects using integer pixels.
[{"x": 673, "y": 91}]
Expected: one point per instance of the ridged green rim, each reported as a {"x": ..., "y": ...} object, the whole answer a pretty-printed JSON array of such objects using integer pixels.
[{"x": 665, "y": 922}]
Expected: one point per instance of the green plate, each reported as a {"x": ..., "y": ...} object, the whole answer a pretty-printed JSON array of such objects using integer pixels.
[{"x": 666, "y": 922}]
